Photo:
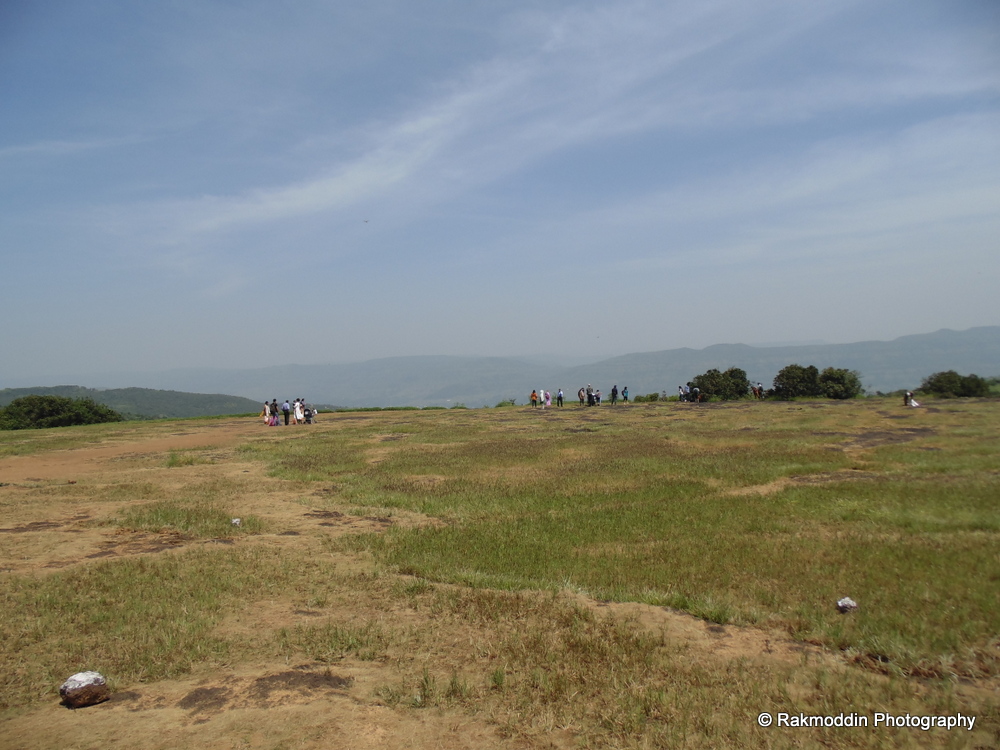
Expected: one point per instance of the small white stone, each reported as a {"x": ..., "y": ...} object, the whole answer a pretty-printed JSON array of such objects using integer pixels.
[
  {"x": 847, "y": 604},
  {"x": 237, "y": 521}
]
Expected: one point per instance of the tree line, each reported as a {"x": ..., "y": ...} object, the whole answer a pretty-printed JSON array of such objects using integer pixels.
[{"x": 798, "y": 381}]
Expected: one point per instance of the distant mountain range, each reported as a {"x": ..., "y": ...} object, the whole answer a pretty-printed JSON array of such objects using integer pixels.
[
  {"x": 477, "y": 381},
  {"x": 144, "y": 402}
]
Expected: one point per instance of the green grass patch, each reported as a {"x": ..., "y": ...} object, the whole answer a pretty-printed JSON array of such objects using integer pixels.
[
  {"x": 178, "y": 458},
  {"x": 190, "y": 518},
  {"x": 134, "y": 620},
  {"x": 679, "y": 508}
]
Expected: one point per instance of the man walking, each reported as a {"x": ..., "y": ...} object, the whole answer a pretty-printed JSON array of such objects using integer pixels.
[{"x": 286, "y": 409}]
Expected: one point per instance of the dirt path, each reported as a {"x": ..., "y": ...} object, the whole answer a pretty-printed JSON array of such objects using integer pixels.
[{"x": 75, "y": 462}]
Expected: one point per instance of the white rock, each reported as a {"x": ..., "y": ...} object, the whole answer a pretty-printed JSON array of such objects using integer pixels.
[
  {"x": 847, "y": 604},
  {"x": 84, "y": 689}
]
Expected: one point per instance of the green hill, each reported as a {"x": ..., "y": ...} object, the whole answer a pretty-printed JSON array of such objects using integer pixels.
[{"x": 144, "y": 403}]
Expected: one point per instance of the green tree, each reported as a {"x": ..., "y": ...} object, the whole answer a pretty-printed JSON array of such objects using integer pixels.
[
  {"x": 796, "y": 380},
  {"x": 725, "y": 386},
  {"x": 949, "y": 384},
  {"x": 840, "y": 383},
  {"x": 33, "y": 412}
]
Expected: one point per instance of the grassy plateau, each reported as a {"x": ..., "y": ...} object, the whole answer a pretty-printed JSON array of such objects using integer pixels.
[{"x": 544, "y": 560}]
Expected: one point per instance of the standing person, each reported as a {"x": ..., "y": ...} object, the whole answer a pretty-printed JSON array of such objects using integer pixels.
[
  {"x": 625, "y": 395},
  {"x": 534, "y": 399},
  {"x": 614, "y": 394},
  {"x": 300, "y": 411},
  {"x": 580, "y": 393},
  {"x": 548, "y": 399},
  {"x": 274, "y": 412},
  {"x": 590, "y": 395},
  {"x": 559, "y": 398},
  {"x": 286, "y": 409},
  {"x": 266, "y": 413}
]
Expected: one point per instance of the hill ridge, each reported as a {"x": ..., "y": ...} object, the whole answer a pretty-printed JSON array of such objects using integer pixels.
[
  {"x": 447, "y": 380},
  {"x": 150, "y": 403}
]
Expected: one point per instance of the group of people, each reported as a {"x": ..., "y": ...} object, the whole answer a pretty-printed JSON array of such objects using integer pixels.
[
  {"x": 592, "y": 396},
  {"x": 588, "y": 396},
  {"x": 692, "y": 395},
  {"x": 294, "y": 413},
  {"x": 687, "y": 393},
  {"x": 543, "y": 398}
]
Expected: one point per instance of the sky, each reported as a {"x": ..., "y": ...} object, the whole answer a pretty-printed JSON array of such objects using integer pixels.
[{"x": 199, "y": 183}]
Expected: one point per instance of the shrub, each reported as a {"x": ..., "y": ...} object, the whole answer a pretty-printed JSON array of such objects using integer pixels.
[
  {"x": 795, "y": 380},
  {"x": 949, "y": 384},
  {"x": 36, "y": 412},
  {"x": 840, "y": 383},
  {"x": 726, "y": 386}
]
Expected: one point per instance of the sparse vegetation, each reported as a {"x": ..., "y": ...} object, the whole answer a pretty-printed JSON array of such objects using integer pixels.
[
  {"x": 526, "y": 568},
  {"x": 649, "y": 398}
]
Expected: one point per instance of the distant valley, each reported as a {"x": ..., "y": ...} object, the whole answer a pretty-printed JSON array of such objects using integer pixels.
[{"x": 484, "y": 381}]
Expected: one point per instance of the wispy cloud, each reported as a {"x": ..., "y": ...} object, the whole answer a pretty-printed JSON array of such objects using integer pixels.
[
  {"x": 58, "y": 148},
  {"x": 849, "y": 196},
  {"x": 580, "y": 77}
]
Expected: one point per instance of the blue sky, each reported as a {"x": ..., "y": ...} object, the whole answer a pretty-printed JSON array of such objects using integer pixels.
[{"x": 223, "y": 184}]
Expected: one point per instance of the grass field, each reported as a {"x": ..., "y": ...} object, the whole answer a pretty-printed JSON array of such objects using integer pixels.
[{"x": 528, "y": 568}]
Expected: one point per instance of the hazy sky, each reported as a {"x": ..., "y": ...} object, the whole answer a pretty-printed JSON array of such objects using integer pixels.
[{"x": 241, "y": 184}]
